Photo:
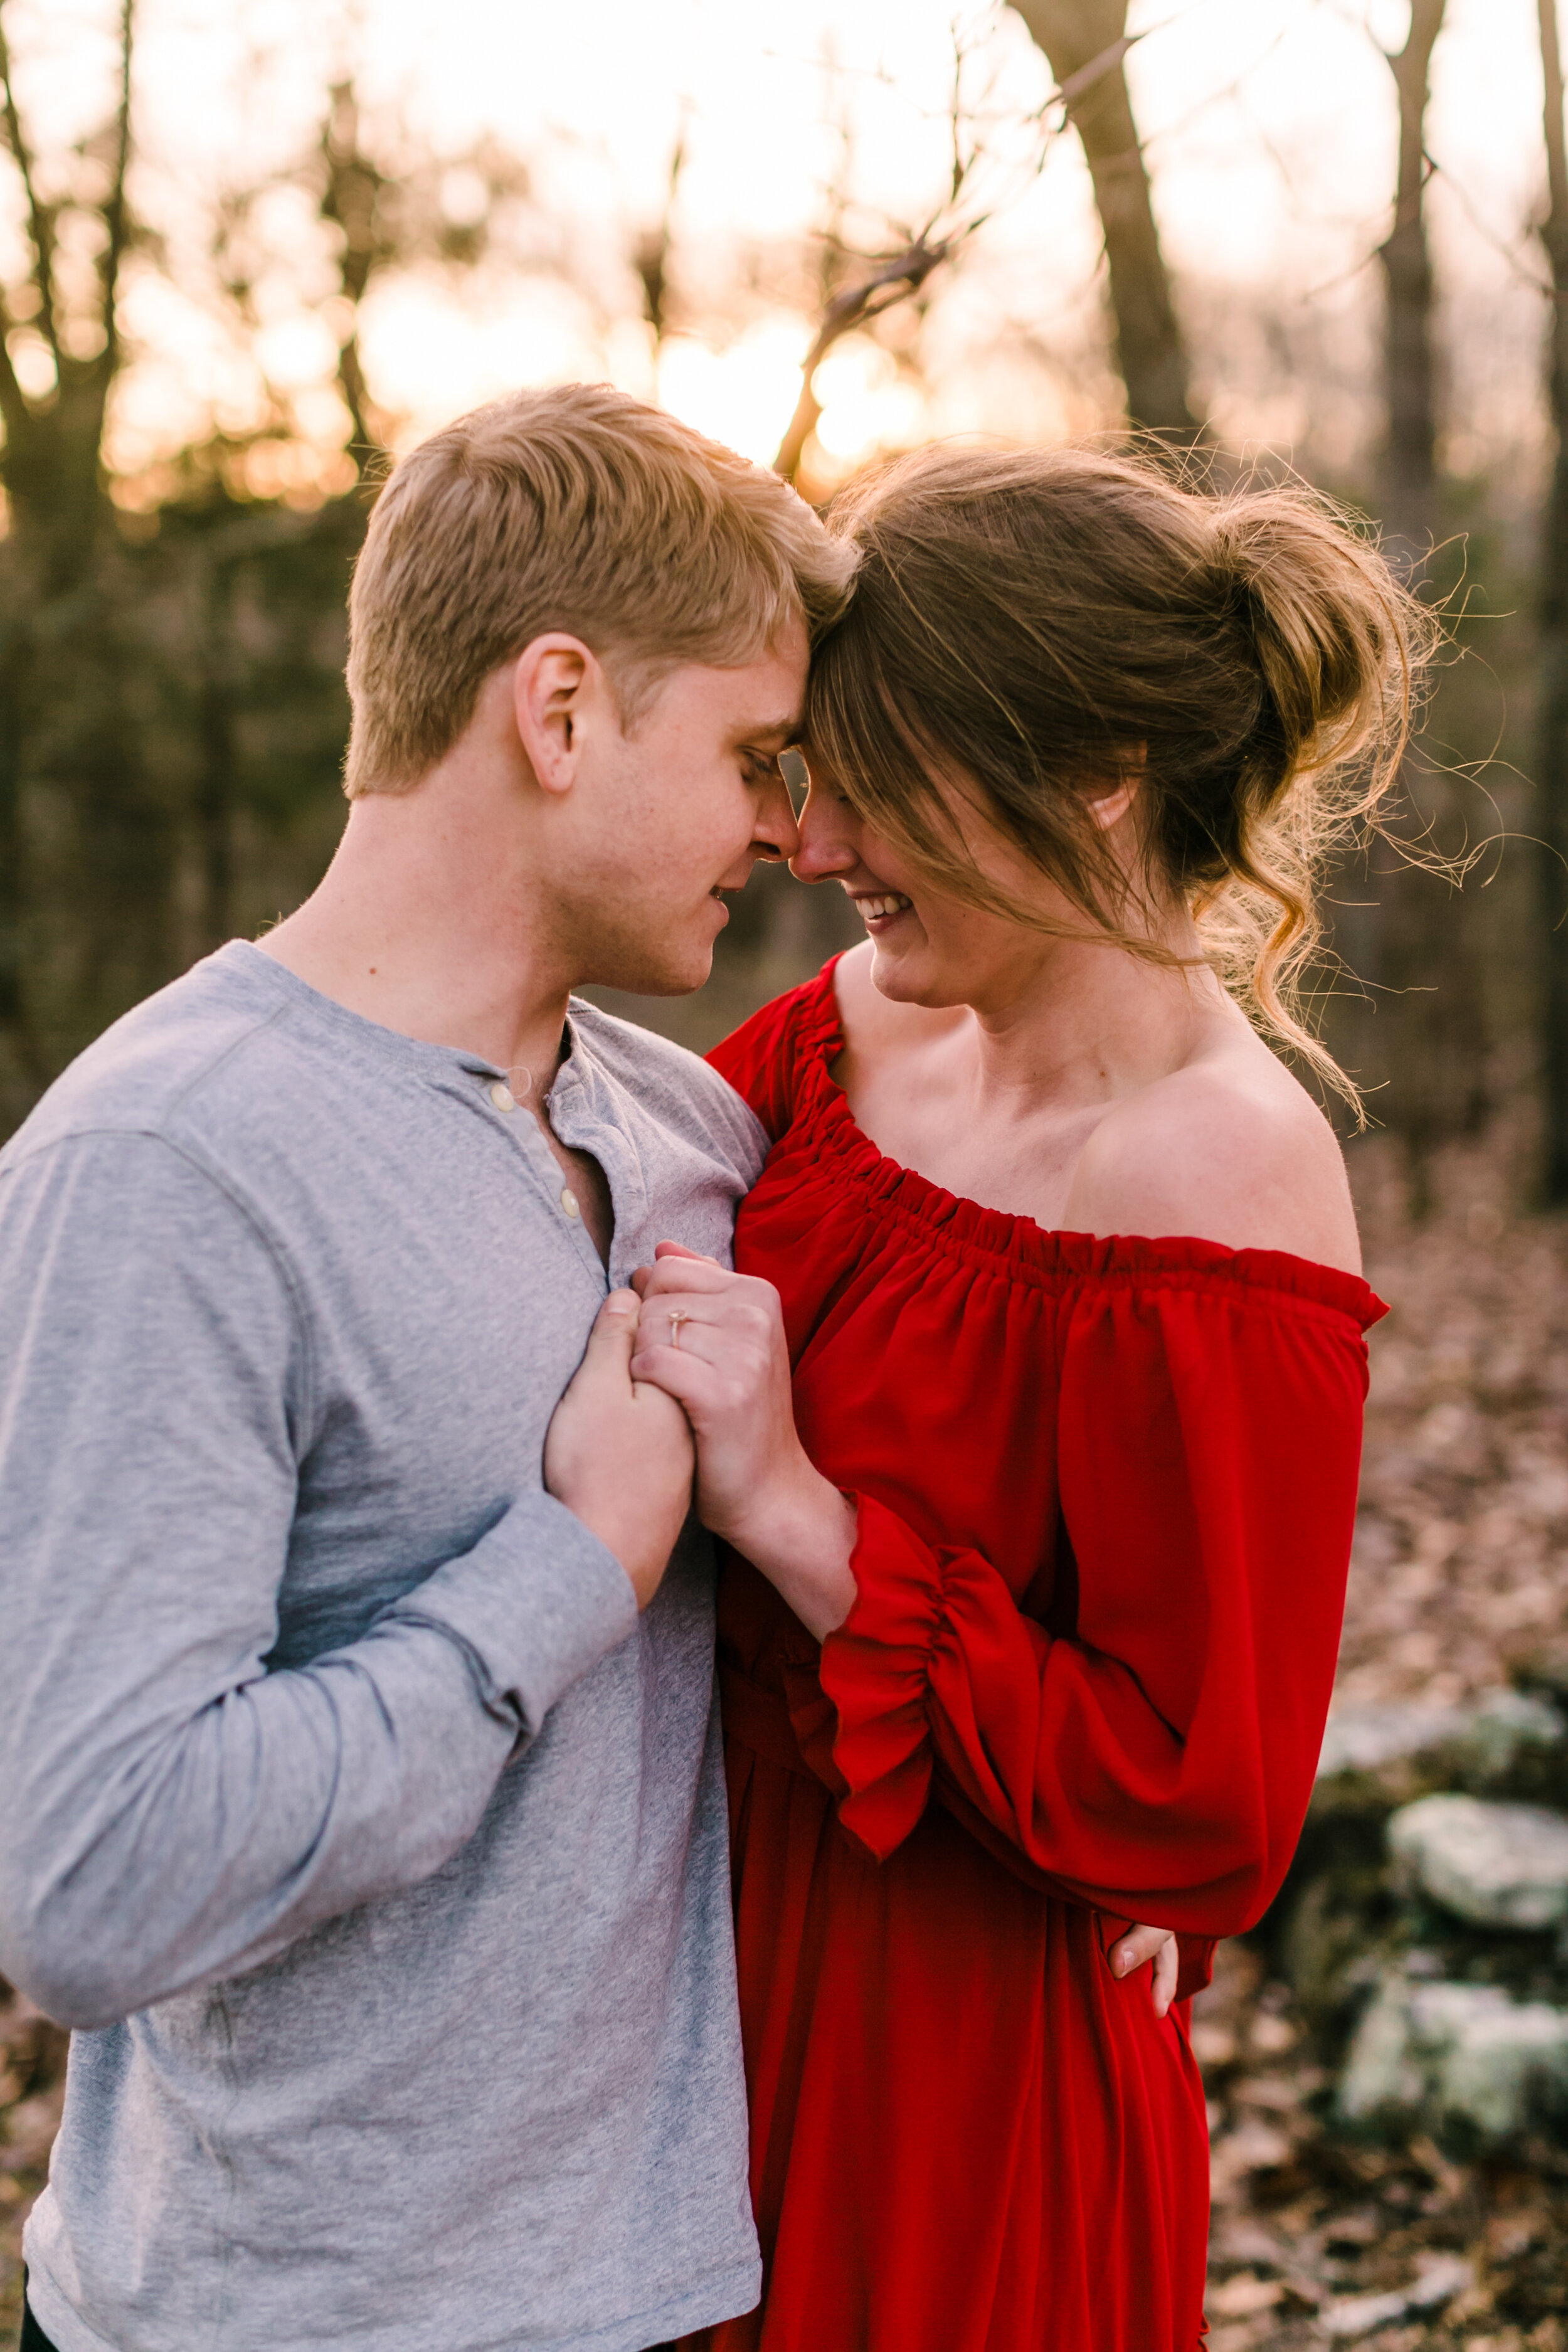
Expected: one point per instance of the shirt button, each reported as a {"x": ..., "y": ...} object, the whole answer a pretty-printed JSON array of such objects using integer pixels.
[
  {"x": 503, "y": 1095},
  {"x": 569, "y": 1202}
]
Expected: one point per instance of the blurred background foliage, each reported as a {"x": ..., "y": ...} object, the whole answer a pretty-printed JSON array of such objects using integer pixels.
[{"x": 183, "y": 507}]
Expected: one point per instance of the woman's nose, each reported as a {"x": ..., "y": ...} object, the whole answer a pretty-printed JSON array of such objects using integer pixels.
[{"x": 826, "y": 846}]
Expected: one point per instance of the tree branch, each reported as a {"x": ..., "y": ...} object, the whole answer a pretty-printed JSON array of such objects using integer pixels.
[
  {"x": 890, "y": 281},
  {"x": 893, "y": 278},
  {"x": 40, "y": 227},
  {"x": 15, "y": 413}
]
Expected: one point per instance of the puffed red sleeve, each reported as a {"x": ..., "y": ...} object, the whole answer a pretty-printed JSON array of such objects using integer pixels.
[
  {"x": 1157, "y": 1764},
  {"x": 762, "y": 1058}
]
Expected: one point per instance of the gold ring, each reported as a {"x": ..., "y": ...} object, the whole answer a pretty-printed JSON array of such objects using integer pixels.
[{"x": 677, "y": 1318}]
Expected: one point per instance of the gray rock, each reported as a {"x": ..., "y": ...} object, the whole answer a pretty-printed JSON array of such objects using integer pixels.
[
  {"x": 1481, "y": 1742},
  {"x": 1365, "y": 1739},
  {"x": 1497, "y": 1865},
  {"x": 1501, "y": 1726},
  {"x": 1435, "y": 2054}
]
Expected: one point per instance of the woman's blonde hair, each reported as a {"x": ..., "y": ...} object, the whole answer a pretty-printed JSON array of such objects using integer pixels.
[{"x": 1047, "y": 624}]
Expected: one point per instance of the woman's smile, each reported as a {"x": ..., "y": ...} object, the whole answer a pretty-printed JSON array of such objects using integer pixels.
[{"x": 880, "y": 910}]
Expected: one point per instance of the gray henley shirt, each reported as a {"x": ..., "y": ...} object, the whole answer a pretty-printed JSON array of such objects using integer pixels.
[{"x": 372, "y": 1842}]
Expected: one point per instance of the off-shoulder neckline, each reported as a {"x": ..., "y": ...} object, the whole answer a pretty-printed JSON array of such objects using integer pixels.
[{"x": 1032, "y": 1250}]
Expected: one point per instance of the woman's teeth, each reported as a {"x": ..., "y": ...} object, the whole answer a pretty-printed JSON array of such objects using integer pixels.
[{"x": 872, "y": 908}]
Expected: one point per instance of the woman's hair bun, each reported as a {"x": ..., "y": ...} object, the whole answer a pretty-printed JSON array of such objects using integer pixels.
[{"x": 1329, "y": 625}]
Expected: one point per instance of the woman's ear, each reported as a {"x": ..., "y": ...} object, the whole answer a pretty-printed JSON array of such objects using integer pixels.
[{"x": 1108, "y": 808}]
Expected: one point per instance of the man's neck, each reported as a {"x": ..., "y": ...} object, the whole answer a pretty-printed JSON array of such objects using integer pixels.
[{"x": 413, "y": 926}]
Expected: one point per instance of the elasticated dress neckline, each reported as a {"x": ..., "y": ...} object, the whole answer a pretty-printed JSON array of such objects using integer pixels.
[{"x": 1030, "y": 1252}]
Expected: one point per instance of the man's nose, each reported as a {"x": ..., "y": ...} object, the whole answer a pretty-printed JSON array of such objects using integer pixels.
[
  {"x": 777, "y": 835},
  {"x": 824, "y": 849}
]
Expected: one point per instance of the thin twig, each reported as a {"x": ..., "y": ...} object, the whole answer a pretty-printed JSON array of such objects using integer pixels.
[{"x": 1487, "y": 234}]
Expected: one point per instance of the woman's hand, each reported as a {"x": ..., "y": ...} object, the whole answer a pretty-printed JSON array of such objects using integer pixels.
[
  {"x": 620, "y": 1456},
  {"x": 1156, "y": 1944},
  {"x": 715, "y": 1341}
]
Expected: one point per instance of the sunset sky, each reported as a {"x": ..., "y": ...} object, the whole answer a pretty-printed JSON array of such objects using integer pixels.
[{"x": 1270, "y": 132}]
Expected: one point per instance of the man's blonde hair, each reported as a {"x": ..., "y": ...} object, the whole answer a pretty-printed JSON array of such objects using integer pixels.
[{"x": 576, "y": 509}]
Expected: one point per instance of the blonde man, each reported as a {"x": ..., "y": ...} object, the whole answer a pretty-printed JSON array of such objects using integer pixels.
[{"x": 362, "y": 1806}]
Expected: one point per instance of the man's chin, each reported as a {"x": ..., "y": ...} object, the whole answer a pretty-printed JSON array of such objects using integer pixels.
[{"x": 675, "y": 972}]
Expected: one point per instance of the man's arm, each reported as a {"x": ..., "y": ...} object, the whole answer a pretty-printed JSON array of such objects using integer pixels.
[{"x": 171, "y": 1813}]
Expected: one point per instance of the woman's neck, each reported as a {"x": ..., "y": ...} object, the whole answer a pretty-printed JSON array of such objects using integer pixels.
[{"x": 1092, "y": 1023}]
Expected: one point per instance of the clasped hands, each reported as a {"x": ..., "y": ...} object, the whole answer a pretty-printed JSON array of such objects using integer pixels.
[{"x": 687, "y": 1374}]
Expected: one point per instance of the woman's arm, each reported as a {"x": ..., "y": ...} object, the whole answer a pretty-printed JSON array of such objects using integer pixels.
[
  {"x": 716, "y": 1341},
  {"x": 1158, "y": 1761}
]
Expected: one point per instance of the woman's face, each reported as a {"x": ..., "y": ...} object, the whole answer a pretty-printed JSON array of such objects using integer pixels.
[{"x": 930, "y": 947}]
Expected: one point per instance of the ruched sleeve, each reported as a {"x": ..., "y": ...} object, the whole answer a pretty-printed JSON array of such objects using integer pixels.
[{"x": 1157, "y": 1763}]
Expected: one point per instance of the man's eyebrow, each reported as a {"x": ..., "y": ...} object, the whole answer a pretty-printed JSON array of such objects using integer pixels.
[{"x": 782, "y": 731}]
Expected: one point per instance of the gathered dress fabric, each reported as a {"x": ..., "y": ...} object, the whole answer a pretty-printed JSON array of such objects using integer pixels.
[{"x": 1105, "y": 1493}]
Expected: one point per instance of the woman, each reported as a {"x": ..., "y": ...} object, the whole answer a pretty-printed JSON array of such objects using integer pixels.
[{"x": 1029, "y": 1618}]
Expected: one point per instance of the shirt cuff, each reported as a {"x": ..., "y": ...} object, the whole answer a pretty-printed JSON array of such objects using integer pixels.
[{"x": 536, "y": 1603}]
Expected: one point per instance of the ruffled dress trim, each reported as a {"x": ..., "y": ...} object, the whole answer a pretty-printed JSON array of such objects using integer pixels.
[{"x": 964, "y": 1230}]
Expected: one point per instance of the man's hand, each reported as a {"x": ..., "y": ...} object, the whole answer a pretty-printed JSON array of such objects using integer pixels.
[
  {"x": 1156, "y": 1944},
  {"x": 619, "y": 1453}
]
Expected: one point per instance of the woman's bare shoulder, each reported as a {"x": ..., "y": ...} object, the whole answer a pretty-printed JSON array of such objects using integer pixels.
[{"x": 1229, "y": 1150}]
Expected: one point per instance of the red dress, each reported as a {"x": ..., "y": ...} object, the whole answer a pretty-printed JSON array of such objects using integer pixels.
[{"x": 1106, "y": 1490}]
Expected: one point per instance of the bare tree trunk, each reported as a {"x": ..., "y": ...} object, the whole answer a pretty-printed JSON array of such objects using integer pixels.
[
  {"x": 350, "y": 198},
  {"x": 1552, "y": 753},
  {"x": 1412, "y": 943},
  {"x": 218, "y": 760},
  {"x": 1409, "y": 466},
  {"x": 1149, "y": 350}
]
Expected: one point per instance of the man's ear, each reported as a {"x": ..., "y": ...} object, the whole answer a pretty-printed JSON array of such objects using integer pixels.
[{"x": 553, "y": 679}]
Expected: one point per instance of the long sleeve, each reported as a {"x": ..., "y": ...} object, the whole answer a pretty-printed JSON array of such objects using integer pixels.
[
  {"x": 175, "y": 1811},
  {"x": 1156, "y": 1764}
]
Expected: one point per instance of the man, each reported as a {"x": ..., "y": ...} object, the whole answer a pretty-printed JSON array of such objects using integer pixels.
[{"x": 359, "y": 1798}]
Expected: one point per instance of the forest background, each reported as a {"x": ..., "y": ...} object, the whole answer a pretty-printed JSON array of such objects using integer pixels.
[{"x": 248, "y": 249}]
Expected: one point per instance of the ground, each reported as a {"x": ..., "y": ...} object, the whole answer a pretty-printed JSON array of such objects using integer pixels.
[{"x": 1461, "y": 1557}]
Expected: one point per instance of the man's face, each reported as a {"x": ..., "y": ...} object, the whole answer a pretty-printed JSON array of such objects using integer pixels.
[{"x": 671, "y": 815}]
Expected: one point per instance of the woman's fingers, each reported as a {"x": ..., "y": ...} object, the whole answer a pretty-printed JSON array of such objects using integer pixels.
[
  {"x": 686, "y": 1272},
  {"x": 681, "y": 1372},
  {"x": 1156, "y": 1944},
  {"x": 665, "y": 1345},
  {"x": 1167, "y": 1967}
]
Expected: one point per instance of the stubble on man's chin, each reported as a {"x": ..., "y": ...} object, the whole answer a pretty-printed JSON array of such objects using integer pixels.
[{"x": 638, "y": 967}]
